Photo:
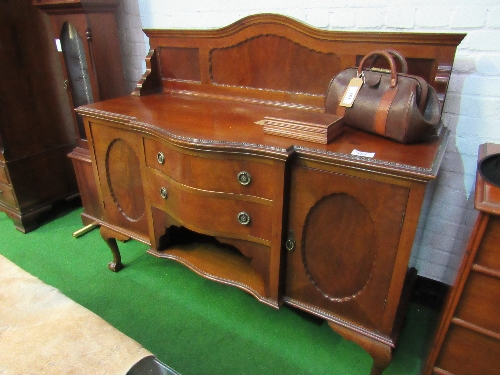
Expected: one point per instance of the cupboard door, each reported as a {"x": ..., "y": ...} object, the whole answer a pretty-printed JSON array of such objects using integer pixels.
[
  {"x": 118, "y": 157},
  {"x": 347, "y": 232}
]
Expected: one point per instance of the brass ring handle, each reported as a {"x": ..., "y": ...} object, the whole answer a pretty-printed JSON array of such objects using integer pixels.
[
  {"x": 244, "y": 178},
  {"x": 244, "y": 218},
  {"x": 163, "y": 193},
  {"x": 160, "y": 157}
]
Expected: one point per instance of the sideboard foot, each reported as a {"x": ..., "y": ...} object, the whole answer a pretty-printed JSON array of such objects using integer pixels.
[{"x": 380, "y": 352}]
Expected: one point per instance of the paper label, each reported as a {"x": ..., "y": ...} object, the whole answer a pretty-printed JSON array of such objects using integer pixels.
[
  {"x": 351, "y": 92},
  {"x": 362, "y": 153},
  {"x": 58, "y": 45}
]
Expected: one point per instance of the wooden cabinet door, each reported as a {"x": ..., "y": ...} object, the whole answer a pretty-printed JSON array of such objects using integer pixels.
[
  {"x": 118, "y": 156},
  {"x": 347, "y": 231}
]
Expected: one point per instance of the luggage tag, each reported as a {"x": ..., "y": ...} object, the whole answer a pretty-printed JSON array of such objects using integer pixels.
[{"x": 352, "y": 91}]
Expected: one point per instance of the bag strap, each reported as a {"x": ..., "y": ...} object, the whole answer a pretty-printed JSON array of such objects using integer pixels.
[{"x": 392, "y": 64}]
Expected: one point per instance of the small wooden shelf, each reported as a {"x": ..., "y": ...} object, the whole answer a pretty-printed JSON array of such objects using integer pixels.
[{"x": 220, "y": 264}]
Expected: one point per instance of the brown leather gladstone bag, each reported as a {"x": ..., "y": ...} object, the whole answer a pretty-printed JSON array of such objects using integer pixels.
[{"x": 395, "y": 105}]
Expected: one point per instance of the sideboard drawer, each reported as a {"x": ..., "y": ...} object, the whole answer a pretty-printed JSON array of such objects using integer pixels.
[
  {"x": 213, "y": 171},
  {"x": 7, "y": 195},
  {"x": 216, "y": 214},
  {"x": 3, "y": 175}
]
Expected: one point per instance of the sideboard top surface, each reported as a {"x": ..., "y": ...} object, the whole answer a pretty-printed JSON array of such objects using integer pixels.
[
  {"x": 212, "y": 124},
  {"x": 207, "y": 88}
]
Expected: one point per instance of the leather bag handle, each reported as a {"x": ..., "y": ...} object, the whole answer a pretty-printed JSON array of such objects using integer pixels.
[
  {"x": 392, "y": 64},
  {"x": 397, "y": 55},
  {"x": 404, "y": 69}
]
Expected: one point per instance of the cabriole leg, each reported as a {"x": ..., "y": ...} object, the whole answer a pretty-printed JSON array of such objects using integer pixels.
[{"x": 110, "y": 237}]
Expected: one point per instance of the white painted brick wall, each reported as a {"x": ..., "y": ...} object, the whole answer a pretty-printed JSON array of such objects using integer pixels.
[
  {"x": 433, "y": 16},
  {"x": 133, "y": 44},
  {"x": 469, "y": 17},
  {"x": 471, "y": 112},
  {"x": 400, "y": 18}
]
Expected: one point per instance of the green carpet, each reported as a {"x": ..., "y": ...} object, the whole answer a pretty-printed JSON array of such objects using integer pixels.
[{"x": 194, "y": 325}]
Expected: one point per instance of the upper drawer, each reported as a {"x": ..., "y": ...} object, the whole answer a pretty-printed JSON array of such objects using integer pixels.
[
  {"x": 488, "y": 254},
  {"x": 3, "y": 175},
  {"x": 213, "y": 171}
]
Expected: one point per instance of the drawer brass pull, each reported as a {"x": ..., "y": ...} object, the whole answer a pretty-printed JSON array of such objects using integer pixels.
[
  {"x": 244, "y": 178},
  {"x": 244, "y": 218},
  {"x": 163, "y": 193},
  {"x": 160, "y": 157}
]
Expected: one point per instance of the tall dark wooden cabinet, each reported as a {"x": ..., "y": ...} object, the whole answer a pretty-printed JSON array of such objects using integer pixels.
[
  {"x": 86, "y": 35},
  {"x": 35, "y": 121}
]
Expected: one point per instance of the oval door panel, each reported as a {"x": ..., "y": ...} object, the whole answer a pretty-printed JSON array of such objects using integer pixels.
[
  {"x": 123, "y": 175},
  {"x": 339, "y": 246}
]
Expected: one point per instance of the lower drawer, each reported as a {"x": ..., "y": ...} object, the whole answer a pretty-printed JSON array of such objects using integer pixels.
[
  {"x": 466, "y": 352},
  {"x": 7, "y": 195},
  {"x": 212, "y": 213}
]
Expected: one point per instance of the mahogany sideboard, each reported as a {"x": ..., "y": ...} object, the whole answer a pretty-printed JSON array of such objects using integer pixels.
[
  {"x": 183, "y": 166},
  {"x": 467, "y": 341}
]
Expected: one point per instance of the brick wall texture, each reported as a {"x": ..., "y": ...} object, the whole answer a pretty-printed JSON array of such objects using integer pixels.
[{"x": 471, "y": 111}]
